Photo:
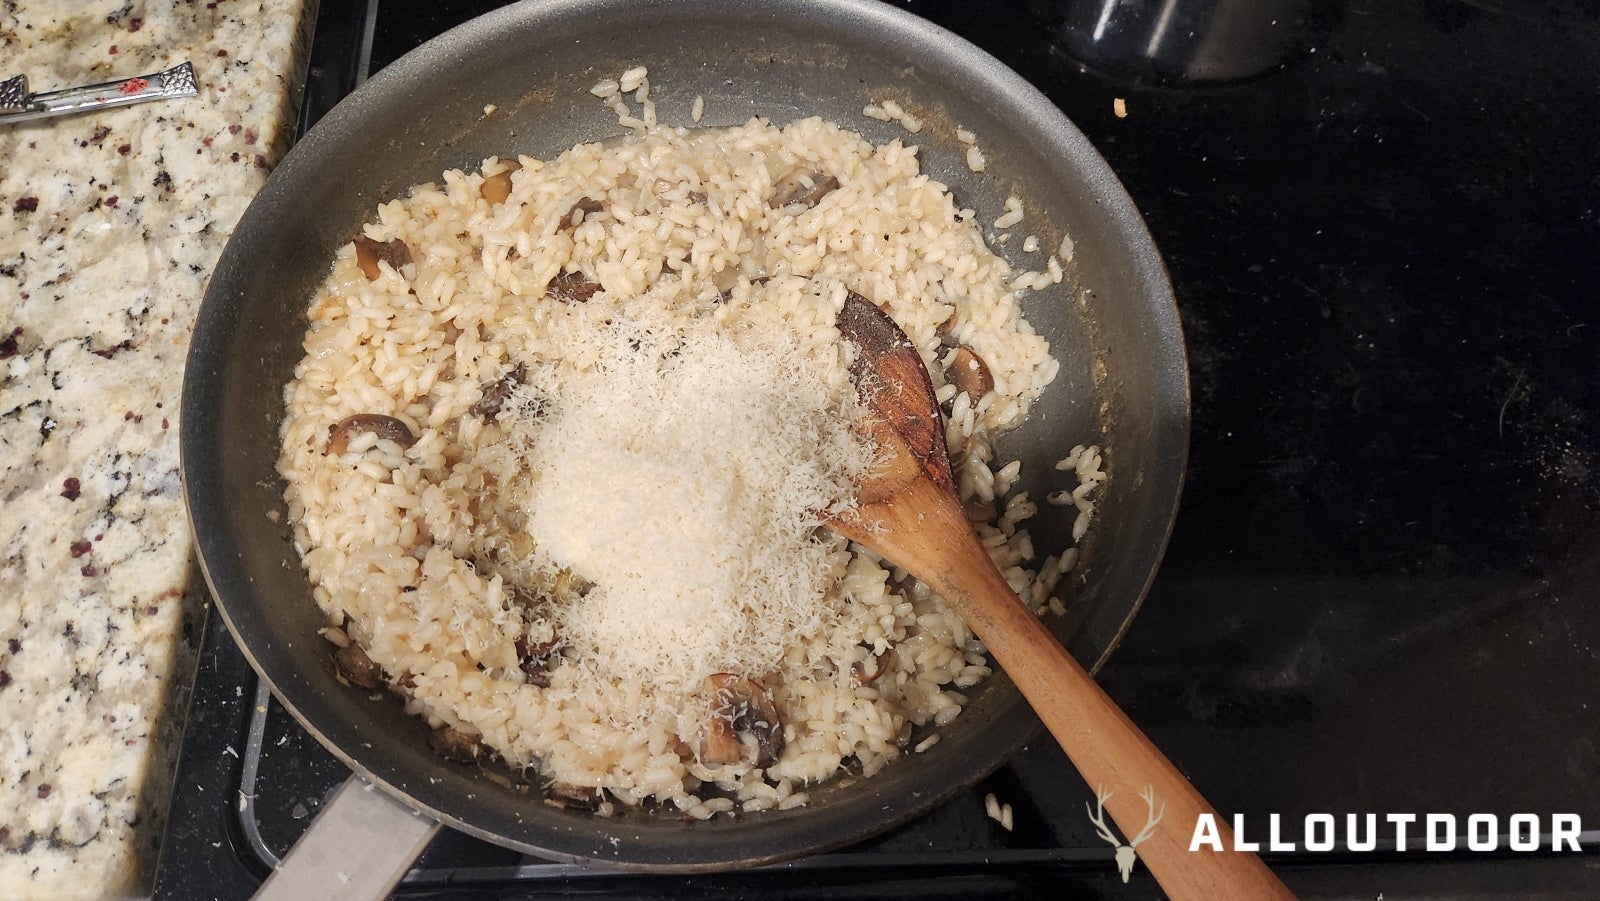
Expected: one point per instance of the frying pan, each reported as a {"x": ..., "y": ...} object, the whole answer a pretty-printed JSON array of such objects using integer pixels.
[{"x": 1113, "y": 326}]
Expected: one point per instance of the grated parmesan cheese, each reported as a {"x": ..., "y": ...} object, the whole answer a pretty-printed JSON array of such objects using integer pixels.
[{"x": 683, "y": 473}]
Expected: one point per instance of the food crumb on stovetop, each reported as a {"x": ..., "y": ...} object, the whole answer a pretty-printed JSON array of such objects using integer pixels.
[{"x": 1000, "y": 813}]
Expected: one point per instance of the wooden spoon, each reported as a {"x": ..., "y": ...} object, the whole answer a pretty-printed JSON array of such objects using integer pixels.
[{"x": 908, "y": 512}]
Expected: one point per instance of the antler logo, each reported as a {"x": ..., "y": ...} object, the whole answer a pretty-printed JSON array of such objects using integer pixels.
[{"x": 1126, "y": 854}]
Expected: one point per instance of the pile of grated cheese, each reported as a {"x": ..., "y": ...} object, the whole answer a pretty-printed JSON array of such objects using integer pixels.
[{"x": 684, "y": 471}]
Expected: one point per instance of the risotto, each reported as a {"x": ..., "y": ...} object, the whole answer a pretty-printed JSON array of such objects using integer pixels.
[{"x": 567, "y": 433}]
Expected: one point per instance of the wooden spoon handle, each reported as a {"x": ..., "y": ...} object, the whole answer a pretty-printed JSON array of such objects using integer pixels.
[{"x": 1107, "y": 748}]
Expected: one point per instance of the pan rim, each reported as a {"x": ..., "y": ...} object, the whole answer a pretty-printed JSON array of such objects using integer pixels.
[{"x": 1065, "y": 141}]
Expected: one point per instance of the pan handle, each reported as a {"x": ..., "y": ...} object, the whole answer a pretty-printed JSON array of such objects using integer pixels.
[{"x": 358, "y": 847}]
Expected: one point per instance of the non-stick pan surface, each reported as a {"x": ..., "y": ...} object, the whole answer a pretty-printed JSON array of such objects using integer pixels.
[{"x": 1123, "y": 381}]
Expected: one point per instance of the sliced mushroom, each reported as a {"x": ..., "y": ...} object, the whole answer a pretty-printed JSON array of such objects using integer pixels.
[
  {"x": 369, "y": 253},
  {"x": 803, "y": 186},
  {"x": 352, "y": 664},
  {"x": 581, "y": 210},
  {"x": 495, "y": 188},
  {"x": 721, "y": 744},
  {"x": 535, "y": 658},
  {"x": 867, "y": 670},
  {"x": 971, "y": 374},
  {"x": 497, "y": 392},
  {"x": 738, "y": 705},
  {"x": 574, "y": 797},
  {"x": 453, "y": 744},
  {"x": 572, "y": 287},
  {"x": 339, "y": 435}
]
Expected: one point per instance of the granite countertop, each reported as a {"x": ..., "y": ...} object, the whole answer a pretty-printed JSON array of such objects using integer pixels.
[{"x": 114, "y": 220}]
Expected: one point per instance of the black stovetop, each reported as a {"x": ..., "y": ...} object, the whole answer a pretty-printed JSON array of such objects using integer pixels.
[{"x": 1382, "y": 222}]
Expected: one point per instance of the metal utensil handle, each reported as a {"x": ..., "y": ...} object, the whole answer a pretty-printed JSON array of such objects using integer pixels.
[
  {"x": 358, "y": 847},
  {"x": 17, "y": 105}
]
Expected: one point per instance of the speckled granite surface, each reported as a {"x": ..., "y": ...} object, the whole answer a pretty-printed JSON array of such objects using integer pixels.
[{"x": 113, "y": 221}]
